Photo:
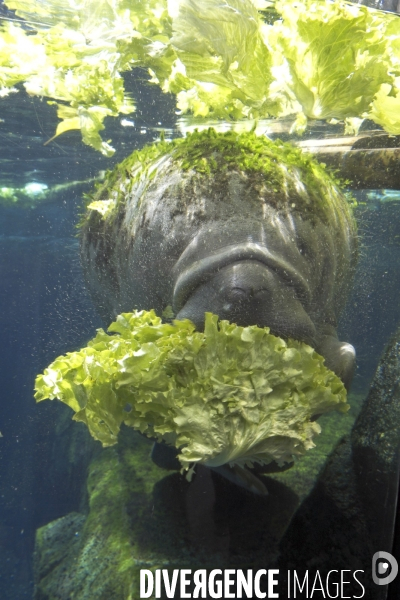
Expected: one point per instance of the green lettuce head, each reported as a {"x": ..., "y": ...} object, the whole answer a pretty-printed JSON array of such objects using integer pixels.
[{"x": 229, "y": 394}]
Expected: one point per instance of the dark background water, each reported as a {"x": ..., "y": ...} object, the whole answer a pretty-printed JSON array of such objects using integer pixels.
[{"x": 45, "y": 310}]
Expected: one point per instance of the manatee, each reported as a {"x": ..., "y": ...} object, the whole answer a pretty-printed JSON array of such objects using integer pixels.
[
  {"x": 249, "y": 229},
  {"x": 235, "y": 224}
]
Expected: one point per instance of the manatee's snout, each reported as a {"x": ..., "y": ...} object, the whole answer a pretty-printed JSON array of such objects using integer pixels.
[
  {"x": 237, "y": 292},
  {"x": 244, "y": 289},
  {"x": 262, "y": 293},
  {"x": 246, "y": 292}
]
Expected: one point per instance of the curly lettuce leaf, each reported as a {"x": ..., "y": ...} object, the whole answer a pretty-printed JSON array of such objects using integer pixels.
[
  {"x": 229, "y": 395},
  {"x": 223, "y": 64},
  {"x": 334, "y": 56},
  {"x": 75, "y": 53},
  {"x": 385, "y": 108}
]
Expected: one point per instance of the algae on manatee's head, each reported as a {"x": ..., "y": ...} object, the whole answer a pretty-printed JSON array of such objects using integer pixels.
[{"x": 289, "y": 178}]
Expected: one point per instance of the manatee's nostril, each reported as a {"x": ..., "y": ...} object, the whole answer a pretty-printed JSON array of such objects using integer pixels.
[{"x": 248, "y": 294}]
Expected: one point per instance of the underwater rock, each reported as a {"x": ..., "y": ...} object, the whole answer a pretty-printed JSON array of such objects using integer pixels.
[
  {"x": 375, "y": 442},
  {"x": 72, "y": 451},
  {"x": 329, "y": 530},
  {"x": 349, "y": 514},
  {"x": 141, "y": 519},
  {"x": 55, "y": 543},
  {"x": 98, "y": 559},
  {"x": 367, "y": 161},
  {"x": 251, "y": 230}
]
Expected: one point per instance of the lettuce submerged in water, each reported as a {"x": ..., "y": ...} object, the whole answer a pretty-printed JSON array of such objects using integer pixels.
[{"x": 229, "y": 395}]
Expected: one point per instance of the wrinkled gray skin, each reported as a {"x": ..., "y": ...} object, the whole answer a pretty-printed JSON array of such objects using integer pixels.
[
  {"x": 221, "y": 244},
  {"x": 224, "y": 245}
]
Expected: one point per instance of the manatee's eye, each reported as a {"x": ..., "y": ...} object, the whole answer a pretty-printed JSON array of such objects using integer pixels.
[
  {"x": 301, "y": 295},
  {"x": 303, "y": 246},
  {"x": 262, "y": 295}
]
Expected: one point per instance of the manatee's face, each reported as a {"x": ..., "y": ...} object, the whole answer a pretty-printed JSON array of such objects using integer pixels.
[
  {"x": 266, "y": 273},
  {"x": 280, "y": 272},
  {"x": 246, "y": 292}
]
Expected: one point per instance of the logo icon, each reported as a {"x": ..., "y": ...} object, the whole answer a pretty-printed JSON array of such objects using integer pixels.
[{"x": 384, "y": 568}]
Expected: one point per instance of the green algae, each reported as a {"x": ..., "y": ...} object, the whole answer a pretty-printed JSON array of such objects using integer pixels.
[
  {"x": 304, "y": 473},
  {"x": 136, "y": 520},
  {"x": 142, "y": 517},
  {"x": 99, "y": 556},
  {"x": 295, "y": 178}
]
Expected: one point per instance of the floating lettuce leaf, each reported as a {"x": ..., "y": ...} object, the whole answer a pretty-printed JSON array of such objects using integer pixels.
[
  {"x": 313, "y": 59},
  {"x": 386, "y": 107},
  {"x": 336, "y": 56},
  {"x": 224, "y": 65},
  {"x": 229, "y": 395},
  {"x": 75, "y": 52}
]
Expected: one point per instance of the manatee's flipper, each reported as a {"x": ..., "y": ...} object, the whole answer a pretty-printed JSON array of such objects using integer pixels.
[
  {"x": 243, "y": 478},
  {"x": 165, "y": 456},
  {"x": 340, "y": 357}
]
